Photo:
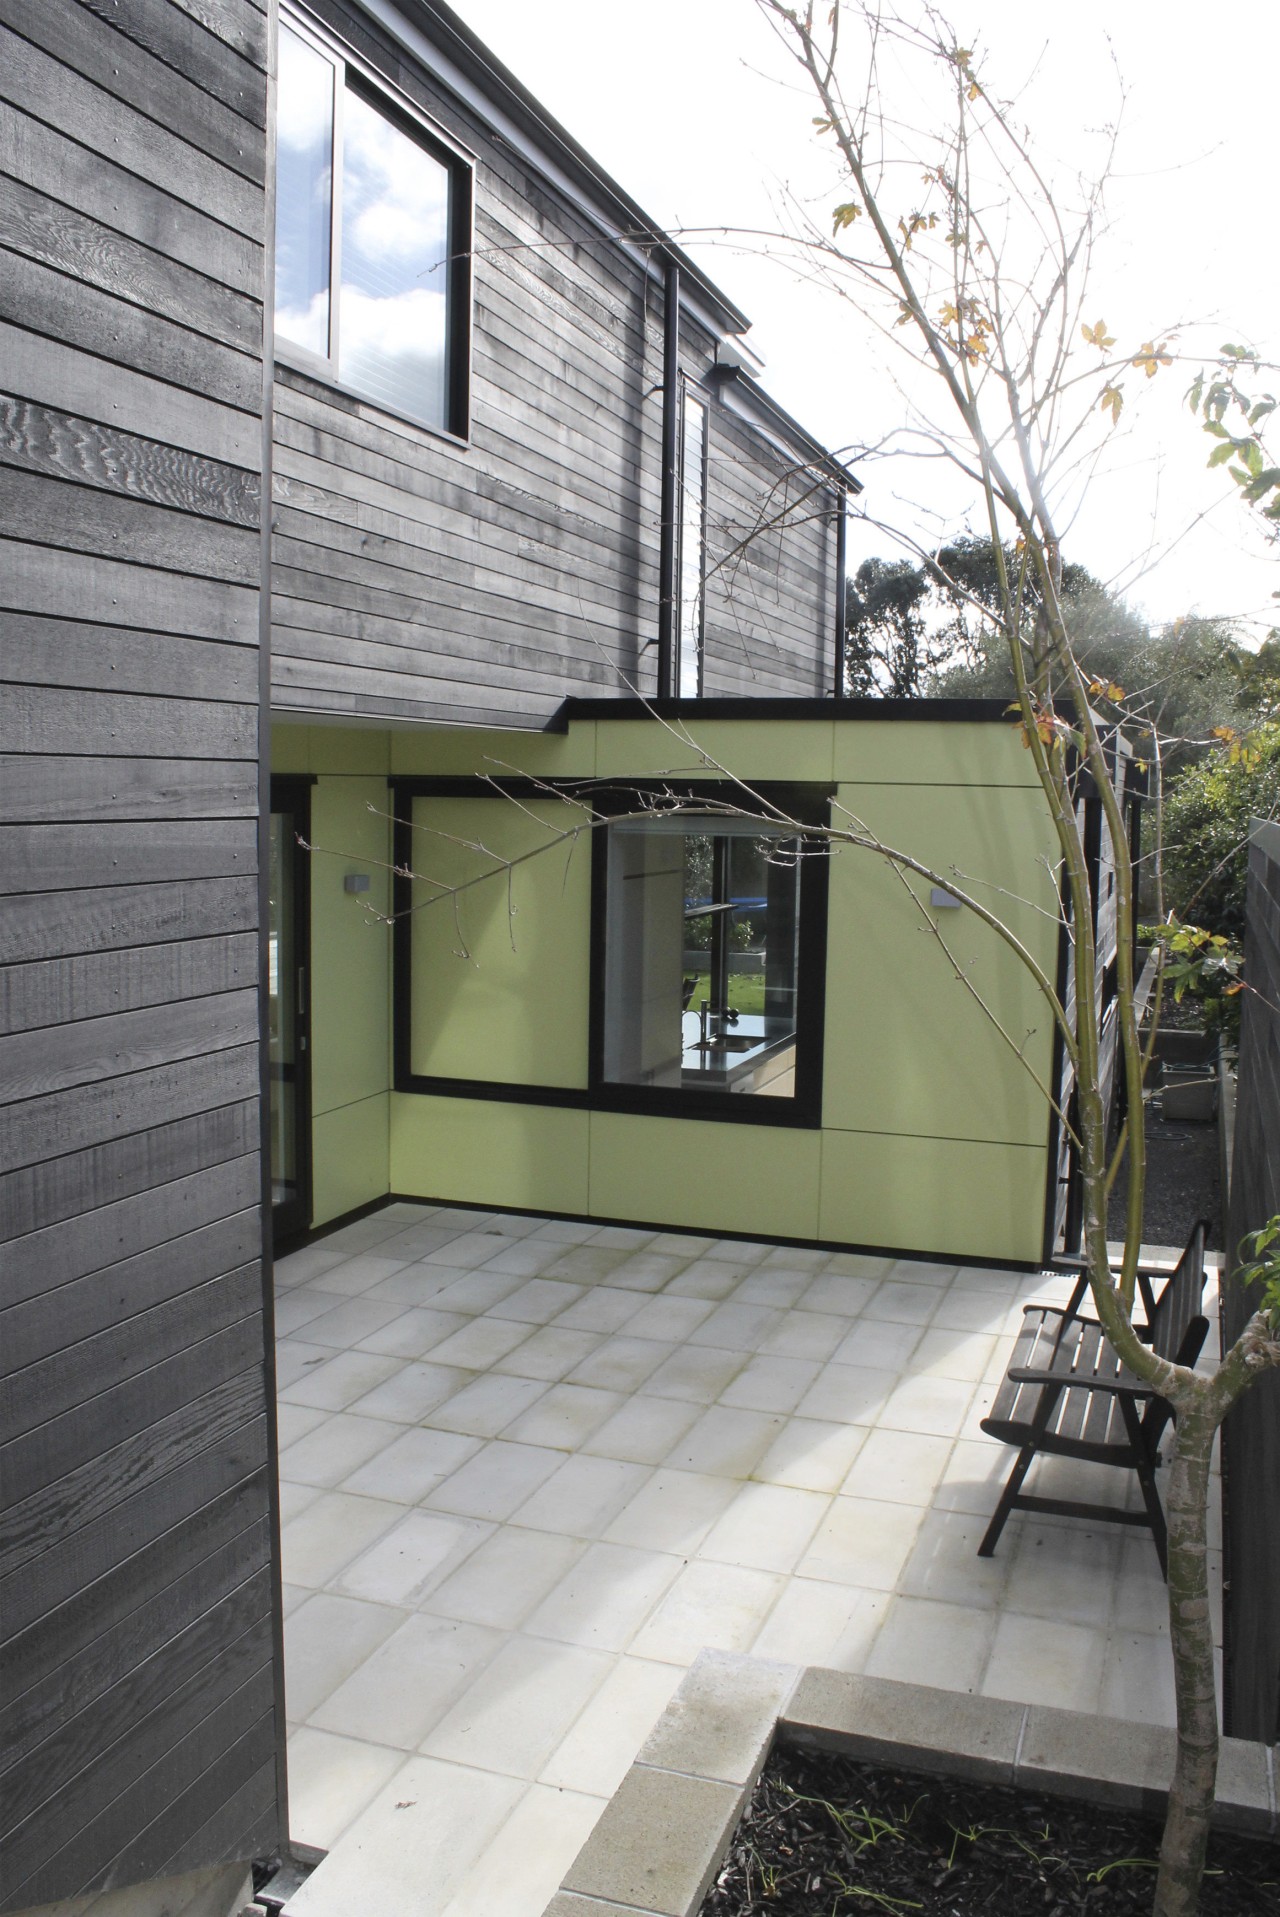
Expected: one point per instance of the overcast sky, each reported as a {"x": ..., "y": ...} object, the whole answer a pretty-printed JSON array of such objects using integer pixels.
[{"x": 690, "y": 105}]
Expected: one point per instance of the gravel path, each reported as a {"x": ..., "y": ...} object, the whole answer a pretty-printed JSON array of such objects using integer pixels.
[{"x": 1182, "y": 1183}]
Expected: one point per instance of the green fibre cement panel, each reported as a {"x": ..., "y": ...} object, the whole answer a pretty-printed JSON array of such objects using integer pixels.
[
  {"x": 353, "y": 749},
  {"x": 289, "y": 749},
  {"x": 945, "y": 752},
  {"x": 940, "y": 1196},
  {"x": 350, "y": 947},
  {"x": 705, "y": 1176},
  {"x": 482, "y": 1152},
  {"x": 464, "y": 750},
  {"x": 909, "y": 1049},
  {"x": 350, "y": 1158},
  {"x": 795, "y": 750},
  {"x": 501, "y": 971}
]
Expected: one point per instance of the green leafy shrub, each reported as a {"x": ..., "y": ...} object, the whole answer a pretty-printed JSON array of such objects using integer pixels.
[{"x": 1207, "y": 812}]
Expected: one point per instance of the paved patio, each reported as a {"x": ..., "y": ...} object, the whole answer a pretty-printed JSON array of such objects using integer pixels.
[{"x": 530, "y": 1468}]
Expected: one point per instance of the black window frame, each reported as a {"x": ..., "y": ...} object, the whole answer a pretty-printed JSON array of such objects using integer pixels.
[
  {"x": 405, "y": 114},
  {"x": 808, "y": 804}
]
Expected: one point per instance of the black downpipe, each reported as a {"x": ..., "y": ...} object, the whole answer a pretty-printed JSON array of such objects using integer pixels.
[
  {"x": 842, "y": 588},
  {"x": 670, "y": 484}
]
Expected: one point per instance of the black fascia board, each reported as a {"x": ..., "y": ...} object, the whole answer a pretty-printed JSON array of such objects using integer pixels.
[
  {"x": 487, "y": 73},
  {"x": 972, "y": 711},
  {"x": 752, "y": 398}
]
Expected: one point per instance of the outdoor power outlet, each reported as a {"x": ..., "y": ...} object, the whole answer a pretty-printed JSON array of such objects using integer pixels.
[
  {"x": 356, "y": 882},
  {"x": 942, "y": 901}
]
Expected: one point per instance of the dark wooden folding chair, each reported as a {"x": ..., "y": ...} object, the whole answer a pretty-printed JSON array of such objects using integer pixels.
[
  {"x": 1147, "y": 1277},
  {"x": 1066, "y": 1393}
]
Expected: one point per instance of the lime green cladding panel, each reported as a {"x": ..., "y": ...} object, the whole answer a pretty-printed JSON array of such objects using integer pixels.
[
  {"x": 794, "y": 750},
  {"x": 940, "y": 1196},
  {"x": 918, "y": 996},
  {"x": 483, "y": 1152},
  {"x": 943, "y": 752},
  {"x": 350, "y": 1154},
  {"x": 350, "y": 943},
  {"x": 709, "y": 1177},
  {"x": 501, "y": 968},
  {"x": 353, "y": 749},
  {"x": 480, "y": 752},
  {"x": 350, "y": 985},
  {"x": 289, "y": 749}
]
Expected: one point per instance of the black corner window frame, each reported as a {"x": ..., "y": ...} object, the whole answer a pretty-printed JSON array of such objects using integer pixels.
[
  {"x": 374, "y": 235},
  {"x": 806, "y": 805}
]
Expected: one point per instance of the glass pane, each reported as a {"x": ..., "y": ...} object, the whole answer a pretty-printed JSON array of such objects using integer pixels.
[
  {"x": 304, "y": 187},
  {"x": 691, "y": 544},
  {"x": 702, "y": 950},
  {"x": 395, "y": 246},
  {"x": 281, "y": 1010}
]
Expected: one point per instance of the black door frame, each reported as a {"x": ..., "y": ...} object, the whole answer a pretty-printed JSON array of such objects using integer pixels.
[{"x": 291, "y": 795}]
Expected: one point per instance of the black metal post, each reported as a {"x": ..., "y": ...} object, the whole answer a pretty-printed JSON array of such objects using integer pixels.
[
  {"x": 670, "y": 484},
  {"x": 842, "y": 587}
]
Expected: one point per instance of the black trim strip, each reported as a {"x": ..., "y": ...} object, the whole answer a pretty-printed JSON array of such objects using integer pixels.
[
  {"x": 931, "y": 711},
  {"x": 963, "y": 1259},
  {"x": 279, "y": 1705}
]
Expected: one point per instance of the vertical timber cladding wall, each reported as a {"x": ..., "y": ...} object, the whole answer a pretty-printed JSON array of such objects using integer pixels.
[
  {"x": 1251, "y": 1435},
  {"x": 770, "y": 590},
  {"x": 418, "y": 577},
  {"x": 135, "y": 1569}
]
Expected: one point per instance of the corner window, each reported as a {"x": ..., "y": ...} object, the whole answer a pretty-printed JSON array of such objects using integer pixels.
[
  {"x": 372, "y": 238},
  {"x": 693, "y": 540},
  {"x": 712, "y": 960}
]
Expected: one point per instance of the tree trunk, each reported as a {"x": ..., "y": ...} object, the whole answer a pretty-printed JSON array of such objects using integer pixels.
[{"x": 1186, "y": 1833}]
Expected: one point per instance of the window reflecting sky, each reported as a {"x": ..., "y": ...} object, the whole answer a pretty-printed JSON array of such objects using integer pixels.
[
  {"x": 395, "y": 243},
  {"x": 304, "y": 175}
]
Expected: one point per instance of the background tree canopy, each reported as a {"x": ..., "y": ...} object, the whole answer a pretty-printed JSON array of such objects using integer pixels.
[
  {"x": 920, "y": 631},
  {"x": 1207, "y": 812}
]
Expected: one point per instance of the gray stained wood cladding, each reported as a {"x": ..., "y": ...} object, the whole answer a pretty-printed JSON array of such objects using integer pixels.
[
  {"x": 72, "y": 1193},
  {"x": 37, "y": 439},
  {"x": 416, "y": 576},
  {"x": 138, "y": 1677}
]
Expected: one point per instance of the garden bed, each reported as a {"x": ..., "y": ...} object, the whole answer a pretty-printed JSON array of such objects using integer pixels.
[{"x": 827, "y": 1834}]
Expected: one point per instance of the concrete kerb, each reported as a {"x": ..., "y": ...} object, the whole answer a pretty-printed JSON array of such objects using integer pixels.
[{"x": 665, "y": 1832}]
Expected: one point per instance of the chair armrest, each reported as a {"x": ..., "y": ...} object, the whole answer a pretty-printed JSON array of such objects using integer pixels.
[{"x": 1125, "y": 1385}]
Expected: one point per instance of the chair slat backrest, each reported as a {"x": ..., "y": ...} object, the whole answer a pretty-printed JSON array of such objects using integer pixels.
[{"x": 1180, "y": 1300}]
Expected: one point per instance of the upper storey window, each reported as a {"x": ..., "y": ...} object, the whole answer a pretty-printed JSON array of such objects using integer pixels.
[{"x": 372, "y": 238}]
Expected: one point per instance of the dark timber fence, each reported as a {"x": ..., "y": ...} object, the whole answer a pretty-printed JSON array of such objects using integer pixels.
[{"x": 1251, "y": 1436}]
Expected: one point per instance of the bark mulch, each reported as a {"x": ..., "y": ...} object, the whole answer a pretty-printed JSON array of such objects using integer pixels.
[{"x": 826, "y": 1836}]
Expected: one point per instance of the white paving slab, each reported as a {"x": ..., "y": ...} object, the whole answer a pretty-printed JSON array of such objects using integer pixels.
[{"x": 531, "y": 1468}]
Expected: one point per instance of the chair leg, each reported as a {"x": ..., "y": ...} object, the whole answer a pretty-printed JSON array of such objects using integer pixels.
[
  {"x": 1008, "y": 1497},
  {"x": 1144, "y": 1467}
]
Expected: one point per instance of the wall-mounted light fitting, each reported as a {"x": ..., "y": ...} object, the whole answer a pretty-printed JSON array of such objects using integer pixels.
[{"x": 356, "y": 882}]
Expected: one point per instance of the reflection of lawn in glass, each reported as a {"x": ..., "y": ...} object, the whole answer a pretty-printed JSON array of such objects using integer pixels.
[{"x": 746, "y": 992}]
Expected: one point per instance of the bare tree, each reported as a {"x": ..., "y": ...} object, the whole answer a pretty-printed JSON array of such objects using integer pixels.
[{"x": 957, "y": 239}]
